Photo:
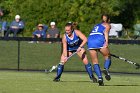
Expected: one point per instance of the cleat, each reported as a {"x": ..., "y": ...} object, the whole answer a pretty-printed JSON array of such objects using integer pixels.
[
  {"x": 107, "y": 75},
  {"x": 100, "y": 81},
  {"x": 56, "y": 80},
  {"x": 94, "y": 79}
]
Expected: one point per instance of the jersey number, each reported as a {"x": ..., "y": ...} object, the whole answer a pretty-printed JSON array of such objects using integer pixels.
[{"x": 95, "y": 29}]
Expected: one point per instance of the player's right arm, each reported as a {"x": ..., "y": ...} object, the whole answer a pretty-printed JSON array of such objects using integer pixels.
[
  {"x": 64, "y": 42},
  {"x": 64, "y": 53}
]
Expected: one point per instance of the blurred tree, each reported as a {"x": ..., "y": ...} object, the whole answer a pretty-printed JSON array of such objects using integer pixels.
[{"x": 85, "y": 12}]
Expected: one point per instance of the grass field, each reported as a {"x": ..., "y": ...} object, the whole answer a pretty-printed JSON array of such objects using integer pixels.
[
  {"x": 41, "y": 56},
  {"x": 40, "y": 82}
]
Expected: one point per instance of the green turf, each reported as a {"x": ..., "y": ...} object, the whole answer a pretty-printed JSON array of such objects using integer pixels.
[
  {"x": 39, "y": 82},
  {"x": 43, "y": 55}
]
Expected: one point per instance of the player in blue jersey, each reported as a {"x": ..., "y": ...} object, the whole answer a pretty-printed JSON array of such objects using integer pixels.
[
  {"x": 98, "y": 41},
  {"x": 73, "y": 41}
]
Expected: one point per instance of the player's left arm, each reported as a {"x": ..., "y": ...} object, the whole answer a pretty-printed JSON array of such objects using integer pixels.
[
  {"x": 82, "y": 37},
  {"x": 106, "y": 33}
]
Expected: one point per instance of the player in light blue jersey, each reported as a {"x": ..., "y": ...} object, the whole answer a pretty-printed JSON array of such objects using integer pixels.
[
  {"x": 98, "y": 41},
  {"x": 73, "y": 41}
]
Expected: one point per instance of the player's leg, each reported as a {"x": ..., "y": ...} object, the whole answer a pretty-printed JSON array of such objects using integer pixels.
[
  {"x": 88, "y": 67},
  {"x": 94, "y": 58},
  {"x": 105, "y": 52},
  {"x": 60, "y": 67}
]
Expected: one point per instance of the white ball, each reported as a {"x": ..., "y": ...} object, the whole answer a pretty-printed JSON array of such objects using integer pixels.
[{"x": 53, "y": 67}]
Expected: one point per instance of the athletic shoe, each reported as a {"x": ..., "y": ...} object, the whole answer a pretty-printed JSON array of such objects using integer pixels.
[
  {"x": 107, "y": 75},
  {"x": 100, "y": 81},
  {"x": 56, "y": 80},
  {"x": 94, "y": 79}
]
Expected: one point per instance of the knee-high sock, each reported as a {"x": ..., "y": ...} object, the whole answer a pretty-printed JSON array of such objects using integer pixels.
[
  {"x": 59, "y": 70},
  {"x": 97, "y": 70},
  {"x": 107, "y": 63},
  {"x": 88, "y": 68}
]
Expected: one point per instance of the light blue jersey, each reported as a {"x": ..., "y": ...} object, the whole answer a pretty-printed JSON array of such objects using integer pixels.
[
  {"x": 96, "y": 39},
  {"x": 73, "y": 43}
]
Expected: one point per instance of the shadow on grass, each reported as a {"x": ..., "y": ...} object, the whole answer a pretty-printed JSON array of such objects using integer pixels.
[
  {"x": 121, "y": 85},
  {"x": 76, "y": 81},
  {"x": 104, "y": 85}
]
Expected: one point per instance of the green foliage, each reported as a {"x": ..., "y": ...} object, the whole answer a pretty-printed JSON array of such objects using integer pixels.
[{"x": 85, "y": 12}]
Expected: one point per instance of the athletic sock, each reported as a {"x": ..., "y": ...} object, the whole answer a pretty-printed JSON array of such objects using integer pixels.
[
  {"x": 88, "y": 68},
  {"x": 107, "y": 63},
  {"x": 59, "y": 71},
  {"x": 97, "y": 70}
]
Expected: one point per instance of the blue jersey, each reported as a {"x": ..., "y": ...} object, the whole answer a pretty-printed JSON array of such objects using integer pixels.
[
  {"x": 96, "y": 38},
  {"x": 73, "y": 43},
  {"x": 98, "y": 29}
]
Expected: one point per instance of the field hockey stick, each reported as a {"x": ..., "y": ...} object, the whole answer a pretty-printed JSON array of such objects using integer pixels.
[
  {"x": 54, "y": 67},
  {"x": 126, "y": 60}
]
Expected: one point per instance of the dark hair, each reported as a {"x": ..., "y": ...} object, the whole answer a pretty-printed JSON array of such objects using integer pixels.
[
  {"x": 69, "y": 24},
  {"x": 75, "y": 25},
  {"x": 107, "y": 16}
]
